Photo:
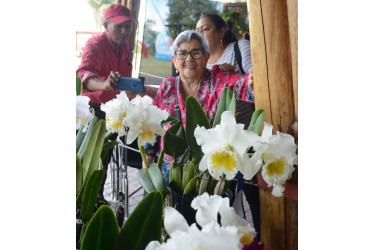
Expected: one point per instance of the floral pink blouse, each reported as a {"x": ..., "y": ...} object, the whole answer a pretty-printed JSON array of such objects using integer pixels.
[{"x": 208, "y": 95}]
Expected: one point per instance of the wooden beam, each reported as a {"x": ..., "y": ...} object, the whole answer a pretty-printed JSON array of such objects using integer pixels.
[
  {"x": 293, "y": 31},
  {"x": 274, "y": 63},
  {"x": 259, "y": 60},
  {"x": 273, "y": 221}
]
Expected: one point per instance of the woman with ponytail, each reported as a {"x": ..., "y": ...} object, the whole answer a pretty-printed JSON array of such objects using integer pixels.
[{"x": 222, "y": 45}]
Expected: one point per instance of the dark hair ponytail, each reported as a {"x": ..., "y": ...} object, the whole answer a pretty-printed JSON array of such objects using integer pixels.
[{"x": 219, "y": 23}]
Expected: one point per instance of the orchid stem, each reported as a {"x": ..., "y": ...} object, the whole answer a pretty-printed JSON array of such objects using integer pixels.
[
  {"x": 142, "y": 153},
  {"x": 120, "y": 143}
]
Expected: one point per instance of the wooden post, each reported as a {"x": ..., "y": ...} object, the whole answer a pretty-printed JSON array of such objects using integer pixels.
[{"x": 273, "y": 32}]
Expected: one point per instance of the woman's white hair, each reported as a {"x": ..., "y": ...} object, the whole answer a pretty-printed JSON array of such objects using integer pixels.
[{"x": 186, "y": 36}]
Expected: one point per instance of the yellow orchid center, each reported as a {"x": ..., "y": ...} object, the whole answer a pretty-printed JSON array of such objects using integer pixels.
[
  {"x": 224, "y": 159},
  {"x": 276, "y": 167},
  {"x": 147, "y": 136},
  {"x": 116, "y": 125},
  {"x": 246, "y": 239},
  {"x": 84, "y": 121},
  {"x": 107, "y": 120}
]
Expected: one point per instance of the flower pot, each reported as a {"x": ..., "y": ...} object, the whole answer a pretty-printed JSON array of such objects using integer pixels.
[{"x": 183, "y": 205}]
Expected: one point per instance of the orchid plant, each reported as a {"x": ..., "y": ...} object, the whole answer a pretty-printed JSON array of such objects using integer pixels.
[
  {"x": 142, "y": 230},
  {"x": 231, "y": 232},
  {"x": 225, "y": 153},
  {"x": 83, "y": 114},
  {"x": 277, "y": 155},
  {"x": 92, "y": 144},
  {"x": 214, "y": 153},
  {"x": 205, "y": 159},
  {"x": 138, "y": 119}
]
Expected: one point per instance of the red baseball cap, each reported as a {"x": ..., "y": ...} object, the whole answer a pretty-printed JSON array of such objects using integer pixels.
[{"x": 118, "y": 13}]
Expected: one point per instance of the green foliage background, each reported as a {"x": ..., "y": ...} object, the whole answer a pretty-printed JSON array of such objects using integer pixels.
[{"x": 185, "y": 14}]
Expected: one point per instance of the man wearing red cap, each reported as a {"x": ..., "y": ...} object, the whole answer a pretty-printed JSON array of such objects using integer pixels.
[{"x": 105, "y": 58}]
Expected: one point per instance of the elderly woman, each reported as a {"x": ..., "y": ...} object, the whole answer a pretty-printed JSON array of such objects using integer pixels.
[{"x": 191, "y": 54}]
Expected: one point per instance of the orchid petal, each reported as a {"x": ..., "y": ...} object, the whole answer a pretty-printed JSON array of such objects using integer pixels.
[
  {"x": 207, "y": 208},
  {"x": 230, "y": 218},
  {"x": 174, "y": 221},
  {"x": 250, "y": 166},
  {"x": 267, "y": 132}
]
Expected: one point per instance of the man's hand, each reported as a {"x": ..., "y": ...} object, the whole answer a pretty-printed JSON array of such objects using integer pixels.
[{"x": 111, "y": 81}]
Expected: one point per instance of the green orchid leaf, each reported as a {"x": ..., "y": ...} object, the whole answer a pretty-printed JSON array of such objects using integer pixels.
[
  {"x": 90, "y": 194},
  {"x": 256, "y": 121},
  {"x": 157, "y": 179},
  {"x": 143, "y": 225},
  {"x": 186, "y": 156},
  {"x": 195, "y": 116},
  {"x": 102, "y": 230},
  {"x": 170, "y": 119},
  {"x": 79, "y": 138},
  {"x": 145, "y": 180},
  {"x": 174, "y": 144},
  {"x": 94, "y": 147},
  {"x": 106, "y": 147},
  {"x": 223, "y": 105},
  {"x": 87, "y": 134},
  {"x": 198, "y": 172},
  {"x": 109, "y": 145},
  {"x": 79, "y": 174},
  {"x": 78, "y": 85},
  {"x": 232, "y": 102},
  {"x": 188, "y": 174},
  {"x": 176, "y": 177},
  {"x": 190, "y": 186}
]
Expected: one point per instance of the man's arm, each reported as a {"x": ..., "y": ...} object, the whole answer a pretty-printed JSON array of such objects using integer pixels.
[{"x": 95, "y": 83}]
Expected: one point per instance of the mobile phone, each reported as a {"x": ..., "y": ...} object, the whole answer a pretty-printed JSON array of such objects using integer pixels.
[{"x": 131, "y": 84}]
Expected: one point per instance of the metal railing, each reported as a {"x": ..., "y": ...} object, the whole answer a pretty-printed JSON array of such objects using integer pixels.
[{"x": 119, "y": 185}]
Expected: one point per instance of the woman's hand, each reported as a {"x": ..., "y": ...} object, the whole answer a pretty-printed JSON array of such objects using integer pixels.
[
  {"x": 250, "y": 82},
  {"x": 228, "y": 67}
]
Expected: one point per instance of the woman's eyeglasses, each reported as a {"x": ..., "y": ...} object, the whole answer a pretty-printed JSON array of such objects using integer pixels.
[{"x": 196, "y": 54}]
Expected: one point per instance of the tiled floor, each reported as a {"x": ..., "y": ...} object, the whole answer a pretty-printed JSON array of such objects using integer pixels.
[{"x": 133, "y": 185}]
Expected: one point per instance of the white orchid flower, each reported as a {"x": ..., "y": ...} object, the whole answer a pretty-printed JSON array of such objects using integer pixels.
[
  {"x": 230, "y": 218},
  {"x": 209, "y": 206},
  {"x": 144, "y": 121},
  {"x": 224, "y": 148},
  {"x": 83, "y": 114},
  {"x": 233, "y": 233},
  {"x": 116, "y": 110},
  {"x": 279, "y": 154},
  {"x": 183, "y": 237}
]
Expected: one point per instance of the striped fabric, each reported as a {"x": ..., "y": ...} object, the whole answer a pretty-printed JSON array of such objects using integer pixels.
[
  {"x": 245, "y": 110},
  {"x": 229, "y": 56}
]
